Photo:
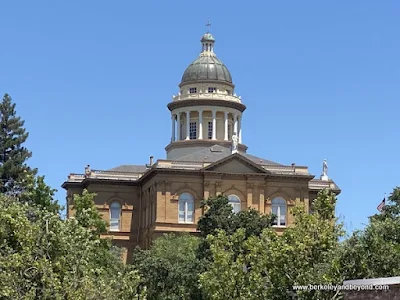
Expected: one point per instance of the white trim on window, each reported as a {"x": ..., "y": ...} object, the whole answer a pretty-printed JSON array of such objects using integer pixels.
[
  {"x": 115, "y": 216},
  {"x": 235, "y": 202},
  {"x": 186, "y": 208},
  {"x": 193, "y": 130},
  {"x": 279, "y": 208}
]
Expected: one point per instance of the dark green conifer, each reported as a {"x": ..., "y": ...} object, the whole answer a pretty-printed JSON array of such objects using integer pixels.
[{"x": 13, "y": 155}]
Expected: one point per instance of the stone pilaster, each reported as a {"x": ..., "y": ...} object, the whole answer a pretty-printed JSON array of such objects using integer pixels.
[
  {"x": 261, "y": 203},
  {"x": 206, "y": 193},
  {"x": 249, "y": 188},
  {"x": 218, "y": 188}
]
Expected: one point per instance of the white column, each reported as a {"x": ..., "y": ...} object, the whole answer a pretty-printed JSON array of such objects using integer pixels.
[
  {"x": 200, "y": 124},
  {"x": 178, "y": 126},
  {"x": 240, "y": 129},
  {"x": 187, "y": 125},
  {"x": 226, "y": 126},
  {"x": 214, "y": 129},
  {"x": 235, "y": 127},
  {"x": 173, "y": 128}
]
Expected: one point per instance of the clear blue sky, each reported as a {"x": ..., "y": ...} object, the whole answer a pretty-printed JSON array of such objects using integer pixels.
[{"x": 320, "y": 80}]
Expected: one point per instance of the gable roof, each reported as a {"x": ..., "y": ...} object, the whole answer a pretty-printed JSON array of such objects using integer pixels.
[{"x": 238, "y": 157}]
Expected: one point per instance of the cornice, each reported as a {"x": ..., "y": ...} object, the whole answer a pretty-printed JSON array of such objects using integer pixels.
[
  {"x": 202, "y": 143},
  {"x": 182, "y": 84},
  {"x": 206, "y": 102}
]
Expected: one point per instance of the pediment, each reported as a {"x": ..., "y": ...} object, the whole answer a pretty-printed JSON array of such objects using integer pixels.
[{"x": 235, "y": 163}]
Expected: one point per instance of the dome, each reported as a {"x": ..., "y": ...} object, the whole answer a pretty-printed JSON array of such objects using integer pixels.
[
  {"x": 207, "y": 68},
  {"x": 207, "y": 37}
]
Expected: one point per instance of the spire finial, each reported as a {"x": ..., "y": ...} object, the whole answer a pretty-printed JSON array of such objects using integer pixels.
[{"x": 208, "y": 25}]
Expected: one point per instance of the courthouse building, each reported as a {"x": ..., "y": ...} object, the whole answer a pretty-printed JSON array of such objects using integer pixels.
[{"x": 206, "y": 157}]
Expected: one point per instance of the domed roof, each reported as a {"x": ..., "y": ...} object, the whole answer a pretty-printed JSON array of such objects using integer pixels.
[
  {"x": 207, "y": 68},
  {"x": 207, "y": 37}
]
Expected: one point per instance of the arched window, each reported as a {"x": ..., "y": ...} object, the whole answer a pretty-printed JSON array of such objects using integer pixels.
[
  {"x": 186, "y": 208},
  {"x": 279, "y": 209},
  {"x": 115, "y": 216},
  {"x": 235, "y": 202}
]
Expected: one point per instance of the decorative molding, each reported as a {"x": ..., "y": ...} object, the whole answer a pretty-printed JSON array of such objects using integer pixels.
[
  {"x": 249, "y": 185},
  {"x": 218, "y": 184},
  {"x": 206, "y": 183}
]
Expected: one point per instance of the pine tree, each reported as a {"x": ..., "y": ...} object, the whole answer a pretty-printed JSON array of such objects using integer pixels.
[{"x": 13, "y": 156}]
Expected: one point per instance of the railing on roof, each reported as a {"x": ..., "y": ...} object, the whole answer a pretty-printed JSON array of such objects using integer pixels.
[
  {"x": 318, "y": 184},
  {"x": 286, "y": 169},
  {"x": 100, "y": 174},
  {"x": 73, "y": 177},
  {"x": 211, "y": 96},
  {"x": 185, "y": 165}
]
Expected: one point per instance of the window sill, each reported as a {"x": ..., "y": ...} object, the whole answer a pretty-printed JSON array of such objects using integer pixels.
[
  {"x": 279, "y": 226},
  {"x": 179, "y": 222},
  {"x": 114, "y": 230}
]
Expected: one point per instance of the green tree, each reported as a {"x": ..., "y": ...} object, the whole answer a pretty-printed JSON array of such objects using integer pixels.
[
  {"x": 87, "y": 214},
  {"x": 39, "y": 193},
  {"x": 375, "y": 250},
  {"x": 219, "y": 216},
  {"x": 267, "y": 266},
  {"x": 170, "y": 269},
  {"x": 13, "y": 155},
  {"x": 49, "y": 258}
]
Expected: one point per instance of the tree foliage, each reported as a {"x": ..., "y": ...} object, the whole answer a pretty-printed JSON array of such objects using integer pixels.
[
  {"x": 50, "y": 258},
  {"x": 87, "y": 214},
  {"x": 220, "y": 216},
  {"x": 267, "y": 266},
  {"x": 13, "y": 155},
  {"x": 375, "y": 250},
  {"x": 170, "y": 268}
]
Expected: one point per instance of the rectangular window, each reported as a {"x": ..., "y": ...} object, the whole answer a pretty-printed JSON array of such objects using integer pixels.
[
  {"x": 229, "y": 131},
  {"x": 186, "y": 209},
  {"x": 193, "y": 130},
  {"x": 115, "y": 216},
  {"x": 275, "y": 212},
  {"x": 182, "y": 205},
  {"x": 189, "y": 212},
  {"x": 210, "y": 129},
  {"x": 280, "y": 212},
  {"x": 193, "y": 90},
  {"x": 229, "y": 92},
  {"x": 181, "y": 131},
  {"x": 212, "y": 90}
]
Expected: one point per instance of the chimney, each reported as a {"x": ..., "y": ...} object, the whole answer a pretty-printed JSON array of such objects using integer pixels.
[{"x": 151, "y": 160}]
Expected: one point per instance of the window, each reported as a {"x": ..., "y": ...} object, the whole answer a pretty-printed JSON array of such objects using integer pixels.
[
  {"x": 186, "y": 208},
  {"x": 229, "y": 131},
  {"x": 193, "y": 130},
  {"x": 235, "y": 202},
  {"x": 210, "y": 129},
  {"x": 115, "y": 216},
  {"x": 181, "y": 131},
  {"x": 279, "y": 209},
  {"x": 193, "y": 90},
  {"x": 229, "y": 92},
  {"x": 212, "y": 90}
]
